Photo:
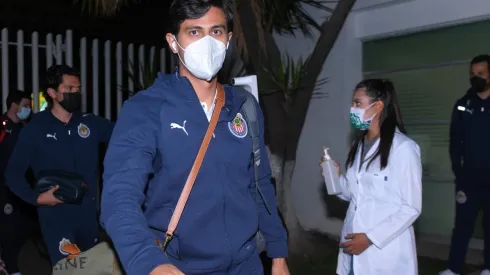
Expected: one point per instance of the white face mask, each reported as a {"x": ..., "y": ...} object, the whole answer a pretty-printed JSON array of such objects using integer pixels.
[
  {"x": 204, "y": 57},
  {"x": 357, "y": 118}
]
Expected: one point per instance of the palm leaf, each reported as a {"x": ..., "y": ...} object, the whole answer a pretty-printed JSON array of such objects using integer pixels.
[
  {"x": 288, "y": 78},
  {"x": 280, "y": 16},
  {"x": 104, "y": 7},
  {"x": 286, "y": 16}
]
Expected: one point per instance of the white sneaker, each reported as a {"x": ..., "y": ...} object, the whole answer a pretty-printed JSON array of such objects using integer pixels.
[
  {"x": 485, "y": 272},
  {"x": 448, "y": 272}
]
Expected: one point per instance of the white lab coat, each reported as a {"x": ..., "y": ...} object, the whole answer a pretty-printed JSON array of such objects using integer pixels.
[{"x": 383, "y": 204}]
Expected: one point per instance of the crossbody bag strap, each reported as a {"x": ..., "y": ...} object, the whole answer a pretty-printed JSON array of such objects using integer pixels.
[{"x": 179, "y": 208}]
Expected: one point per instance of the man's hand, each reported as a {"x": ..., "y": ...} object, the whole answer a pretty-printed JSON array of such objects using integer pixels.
[
  {"x": 166, "y": 269},
  {"x": 357, "y": 244},
  {"x": 280, "y": 267},
  {"x": 47, "y": 198}
]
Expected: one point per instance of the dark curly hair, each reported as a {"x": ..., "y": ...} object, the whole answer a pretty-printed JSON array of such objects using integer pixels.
[{"x": 181, "y": 10}]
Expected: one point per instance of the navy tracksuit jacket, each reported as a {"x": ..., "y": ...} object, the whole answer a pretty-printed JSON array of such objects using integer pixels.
[
  {"x": 145, "y": 169},
  {"x": 18, "y": 220},
  {"x": 470, "y": 158},
  {"x": 47, "y": 143}
]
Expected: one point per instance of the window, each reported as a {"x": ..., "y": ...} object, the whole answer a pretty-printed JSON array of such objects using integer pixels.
[{"x": 426, "y": 98}]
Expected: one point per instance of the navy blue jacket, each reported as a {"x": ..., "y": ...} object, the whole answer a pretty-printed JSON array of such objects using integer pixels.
[
  {"x": 146, "y": 167},
  {"x": 469, "y": 138},
  {"x": 47, "y": 143}
]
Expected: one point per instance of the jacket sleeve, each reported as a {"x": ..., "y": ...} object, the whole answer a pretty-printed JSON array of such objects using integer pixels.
[
  {"x": 127, "y": 165},
  {"x": 408, "y": 171},
  {"x": 345, "y": 193},
  {"x": 455, "y": 140},
  {"x": 270, "y": 225},
  {"x": 19, "y": 162}
]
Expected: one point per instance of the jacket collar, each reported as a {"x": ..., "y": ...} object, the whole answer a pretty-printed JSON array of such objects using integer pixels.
[
  {"x": 75, "y": 118},
  {"x": 183, "y": 88}
]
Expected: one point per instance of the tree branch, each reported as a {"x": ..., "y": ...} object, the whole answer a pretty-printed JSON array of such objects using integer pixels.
[
  {"x": 267, "y": 55},
  {"x": 330, "y": 30}
]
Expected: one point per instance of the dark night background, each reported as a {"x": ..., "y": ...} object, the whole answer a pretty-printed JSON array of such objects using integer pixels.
[
  {"x": 141, "y": 23},
  {"x": 137, "y": 23}
]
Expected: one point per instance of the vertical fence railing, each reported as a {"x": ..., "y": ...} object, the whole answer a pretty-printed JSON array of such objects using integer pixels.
[
  {"x": 83, "y": 72},
  {"x": 5, "y": 67},
  {"x": 118, "y": 66},
  {"x": 119, "y": 75},
  {"x": 20, "y": 60},
  {"x": 95, "y": 76},
  {"x": 35, "y": 69}
]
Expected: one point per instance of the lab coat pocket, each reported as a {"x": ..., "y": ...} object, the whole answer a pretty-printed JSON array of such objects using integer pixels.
[{"x": 376, "y": 184}]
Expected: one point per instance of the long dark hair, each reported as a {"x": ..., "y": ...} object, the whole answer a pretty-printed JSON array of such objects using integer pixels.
[{"x": 390, "y": 118}]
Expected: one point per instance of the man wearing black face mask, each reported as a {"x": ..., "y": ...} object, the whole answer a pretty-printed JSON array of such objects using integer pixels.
[
  {"x": 61, "y": 138},
  {"x": 469, "y": 150}
]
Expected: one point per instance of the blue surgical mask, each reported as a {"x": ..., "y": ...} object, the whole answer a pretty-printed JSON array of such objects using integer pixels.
[{"x": 24, "y": 113}]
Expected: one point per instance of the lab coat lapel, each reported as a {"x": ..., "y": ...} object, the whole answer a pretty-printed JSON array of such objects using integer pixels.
[
  {"x": 357, "y": 161},
  {"x": 361, "y": 167}
]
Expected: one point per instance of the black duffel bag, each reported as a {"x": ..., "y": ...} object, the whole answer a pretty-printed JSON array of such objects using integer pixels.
[{"x": 71, "y": 189}]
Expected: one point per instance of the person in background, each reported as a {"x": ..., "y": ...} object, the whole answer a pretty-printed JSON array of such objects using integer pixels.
[
  {"x": 469, "y": 151},
  {"x": 383, "y": 184},
  {"x": 216, "y": 234},
  {"x": 3, "y": 270},
  {"x": 17, "y": 218},
  {"x": 61, "y": 138}
]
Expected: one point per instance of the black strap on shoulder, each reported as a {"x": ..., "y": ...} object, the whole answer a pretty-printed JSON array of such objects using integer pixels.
[{"x": 249, "y": 110}]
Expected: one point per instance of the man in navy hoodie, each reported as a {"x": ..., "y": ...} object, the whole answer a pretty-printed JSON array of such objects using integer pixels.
[
  {"x": 469, "y": 151},
  {"x": 155, "y": 141},
  {"x": 61, "y": 138}
]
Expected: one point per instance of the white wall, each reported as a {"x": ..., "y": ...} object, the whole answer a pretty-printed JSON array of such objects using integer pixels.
[
  {"x": 327, "y": 120},
  {"x": 402, "y": 17}
]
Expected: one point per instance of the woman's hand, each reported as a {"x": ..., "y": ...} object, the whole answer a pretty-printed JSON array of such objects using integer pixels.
[
  {"x": 357, "y": 244},
  {"x": 338, "y": 168}
]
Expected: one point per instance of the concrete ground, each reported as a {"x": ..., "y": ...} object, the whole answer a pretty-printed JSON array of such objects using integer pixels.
[{"x": 438, "y": 248}]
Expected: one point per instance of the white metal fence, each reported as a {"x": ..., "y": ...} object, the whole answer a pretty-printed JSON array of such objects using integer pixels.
[{"x": 110, "y": 78}]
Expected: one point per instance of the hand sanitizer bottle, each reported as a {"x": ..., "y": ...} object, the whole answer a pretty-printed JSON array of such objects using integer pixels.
[{"x": 330, "y": 174}]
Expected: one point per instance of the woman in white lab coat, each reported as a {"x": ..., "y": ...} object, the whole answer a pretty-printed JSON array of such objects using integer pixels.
[{"x": 383, "y": 184}]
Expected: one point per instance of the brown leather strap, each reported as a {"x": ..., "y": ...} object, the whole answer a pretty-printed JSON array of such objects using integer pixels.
[
  {"x": 179, "y": 208},
  {"x": 114, "y": 266}
]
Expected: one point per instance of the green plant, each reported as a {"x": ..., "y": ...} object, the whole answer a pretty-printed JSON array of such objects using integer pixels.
[
  {"x": 285, "y": 17},
  {"x": 104, "y": 7},
  {"x": 280, "y": 16},
  {"x": 288, "y": 78}
]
